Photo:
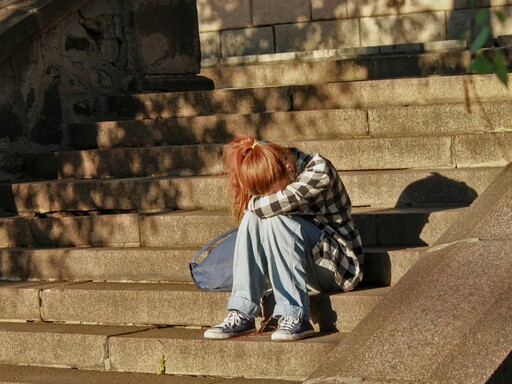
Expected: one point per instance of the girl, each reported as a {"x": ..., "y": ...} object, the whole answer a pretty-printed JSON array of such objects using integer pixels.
[{"x": 296, "y": 234}]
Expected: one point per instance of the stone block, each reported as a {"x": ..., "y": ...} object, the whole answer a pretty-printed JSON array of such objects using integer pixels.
[
  {"x": 210, "y": 45},
  {"x": 268, "y": 12},
  {"x": 57, "y": 344},
  {"x": 171, "y": 230},
  {"x": 102, "y": 230},
  {"x": 141, "y": 353},
  {"x": 328, "y": 9},
  {"x": 498, "y": 27},
  {"x": 440, "y": 119},
  {"x": 250, "y": 41},
  {"x": 219, "y": 15},
  {"x": 489, "y": 150},
  {"x": 394, "y": 153},
  {"x": 119, "y": 264},
  {"x": 331, "y": 34},
  {"x": 375, "y": 8},
  {"x": 19, "y": 301},
  {"x": 157, "y": 41},
  {"x": 400, "y": 29},
  {"x": 130, "y": 303},
  {"x": 15, "y": 233}
]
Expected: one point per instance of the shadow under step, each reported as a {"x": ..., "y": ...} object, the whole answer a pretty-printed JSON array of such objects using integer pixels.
[
  {"x": 23, "y": 374},
  {"x": 140, "y": 350}
]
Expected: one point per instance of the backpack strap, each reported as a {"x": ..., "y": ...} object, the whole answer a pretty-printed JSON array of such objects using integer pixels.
[{"x": 211, "y": 242}]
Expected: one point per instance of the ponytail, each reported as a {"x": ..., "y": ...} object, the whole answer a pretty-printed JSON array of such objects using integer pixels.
[{"x": 252, "y": 167}]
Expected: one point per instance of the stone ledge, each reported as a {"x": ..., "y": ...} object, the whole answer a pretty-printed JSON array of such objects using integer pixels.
[{"x": 323, "y": 54}]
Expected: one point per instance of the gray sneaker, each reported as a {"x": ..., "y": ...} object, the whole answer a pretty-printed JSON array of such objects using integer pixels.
[
  {"x": 293, "y": 328},
  {"x": 237, "y": 323}
]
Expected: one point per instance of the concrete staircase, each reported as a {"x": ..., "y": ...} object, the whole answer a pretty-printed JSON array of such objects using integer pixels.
[{"x": 95, "y": 248}]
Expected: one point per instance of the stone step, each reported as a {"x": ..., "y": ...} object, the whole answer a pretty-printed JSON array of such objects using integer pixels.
[
  {"x": 309, "y": 67},
  {"x": 160, "y": 303},
  {"x": 405, "y": 227},
  {"x": 382, "y": 267},
  {"x": 140, "y": 350},
  {"x": 22, "y": 374},
  {"x": 462, "y": 89},
  {"x": 386, "y": 188},
  {"x": 454, "y": 151},
  {"x": 391, "y": 121}
]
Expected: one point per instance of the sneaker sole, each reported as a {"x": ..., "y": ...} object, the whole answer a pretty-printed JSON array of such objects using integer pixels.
[
  {"x": 291, "y": 337},
  {"x": 223, "y": 336}
]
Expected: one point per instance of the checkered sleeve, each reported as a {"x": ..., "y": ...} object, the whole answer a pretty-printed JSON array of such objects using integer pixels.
[{"x": 299, "y": 196}]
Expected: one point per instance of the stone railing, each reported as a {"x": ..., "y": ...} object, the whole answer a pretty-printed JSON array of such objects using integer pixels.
[
  {"x": 58, "y": 62},
  {"x": 249, "y": 27}
]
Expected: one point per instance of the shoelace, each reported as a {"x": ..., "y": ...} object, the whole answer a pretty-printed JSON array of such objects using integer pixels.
[
  {"x": 230, "y": 321},
  {"x": 287, "y": 323}
]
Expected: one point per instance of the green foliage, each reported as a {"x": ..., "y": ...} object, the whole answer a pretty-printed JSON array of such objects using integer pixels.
[
  {"x": 484, "y": 62},
  {"x": 161, "y": 366}
]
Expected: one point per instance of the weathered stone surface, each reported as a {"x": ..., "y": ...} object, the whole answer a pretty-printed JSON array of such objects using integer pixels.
[
  {"x": 218, "y": 15},
  {"x": 57, "y": 344},
  {"x": 20, "y": 301},
  {"x": 328, "y": 9},
  {"x": 304, "y": 125},
  {"x": 441, "y": 119},
  {"x": 15, "y": 233},
  {"x": 345, "y": 64},
  {"x": 408, "y": 188},
  {"x": 317, "y": 35},
  {"x": 12, "y": 374},
  {"x": 461, "y": 89},
  {"x": 132, "y": 303},
  {"x": 142, "y": 352},
  {"x": 154, "y": 264},
  {"x": 483, "y": 150},
  {"x": 454, "y": 302},
  {"x": 253, "y": 41},
  {"x": 490, "y": 217},
  {"x": 395, "y": 227},
  {"x": 62, "y": 61},
  {"x": 101, "y": 230},
  {"x": 265, "y": 12},
  {"x": 157, "y": 44},
  {"x": 411, "y": 28}
]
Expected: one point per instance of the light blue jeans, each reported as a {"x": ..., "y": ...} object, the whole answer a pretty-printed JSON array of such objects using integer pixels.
[{"x": 276, "y": 253}]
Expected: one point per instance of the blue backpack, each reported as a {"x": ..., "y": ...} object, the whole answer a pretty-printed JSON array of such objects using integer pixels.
[{"x": 215, "y": 271}]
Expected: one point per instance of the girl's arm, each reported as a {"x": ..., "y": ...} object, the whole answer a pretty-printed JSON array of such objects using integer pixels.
[{"x": 300, "y": 196}]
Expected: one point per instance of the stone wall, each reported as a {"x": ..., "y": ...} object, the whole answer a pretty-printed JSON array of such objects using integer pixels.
[
  {"x": 56, "y": 72},
  {"x": 247, "y": 27}
]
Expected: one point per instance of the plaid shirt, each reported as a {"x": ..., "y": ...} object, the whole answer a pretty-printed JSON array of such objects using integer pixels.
[{"x": 319, "y": 194}]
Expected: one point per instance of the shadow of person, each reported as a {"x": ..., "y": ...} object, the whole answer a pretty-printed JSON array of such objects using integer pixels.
[
  {"x": 436, "y": 190},
  {"x": 407, "y": 225}
]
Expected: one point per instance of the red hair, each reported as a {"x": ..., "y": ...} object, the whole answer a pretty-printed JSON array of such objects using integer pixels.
[{"x": 253, "y": 168}]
